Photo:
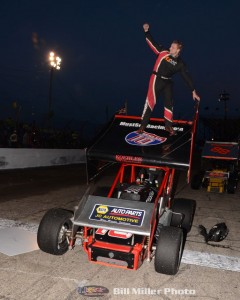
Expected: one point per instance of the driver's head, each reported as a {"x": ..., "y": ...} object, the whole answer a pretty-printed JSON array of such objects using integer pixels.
[{"x": 175, "y": 48}]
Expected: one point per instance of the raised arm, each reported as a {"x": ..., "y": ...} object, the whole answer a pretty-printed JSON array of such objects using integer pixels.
[{"x": 152, "y": 44}]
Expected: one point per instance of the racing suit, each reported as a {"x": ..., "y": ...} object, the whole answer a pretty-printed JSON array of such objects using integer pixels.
[{"x": 160, "y": 81}]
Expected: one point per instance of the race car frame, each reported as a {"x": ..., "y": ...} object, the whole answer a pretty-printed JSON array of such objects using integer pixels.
[{"x": 136, "y": 218}]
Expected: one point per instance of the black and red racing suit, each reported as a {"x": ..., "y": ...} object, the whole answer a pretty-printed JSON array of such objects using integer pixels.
[{"x": 160, "y": 81}]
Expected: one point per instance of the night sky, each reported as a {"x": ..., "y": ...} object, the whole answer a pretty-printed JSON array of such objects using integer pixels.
[{"x": 106, "y": 60}]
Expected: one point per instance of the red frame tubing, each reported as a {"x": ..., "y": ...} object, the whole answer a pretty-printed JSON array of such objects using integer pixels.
[
  {"x": 193, "y": 140},
  {"x": 133, "y": 175},
  {"x": 170, "y": 185},
  {"x": 119, "y": 175},
  {"x": 86, "y": 239},
  {"x": 152, "y": 119},
  {"x": 137, "y": 249}
]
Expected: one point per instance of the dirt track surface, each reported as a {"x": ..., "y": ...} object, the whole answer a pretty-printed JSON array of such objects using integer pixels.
[{"x": 25, "y": 195}]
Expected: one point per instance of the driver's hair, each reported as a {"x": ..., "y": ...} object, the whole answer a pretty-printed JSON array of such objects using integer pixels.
[{"x": 179, "y": 43}]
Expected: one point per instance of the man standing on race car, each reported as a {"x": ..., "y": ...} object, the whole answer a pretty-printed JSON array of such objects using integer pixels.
[{"x": 167, "y": 64}]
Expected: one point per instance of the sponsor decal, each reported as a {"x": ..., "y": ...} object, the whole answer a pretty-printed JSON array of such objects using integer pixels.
[
  {"x": 171, "y": 61},
  {"x": 119, "y": 215},
  {"x": 151, "y": 126},
  {"x": 144, "y": 139},
  {"x": 93, "y": 291},
  {"x": 129, "y": 124},
  {"x": 150, "y": 196},
  {"x": 126, "y": 158},
  {"x": 220, "y": 150},
  {"x": 102, "y": 209}
]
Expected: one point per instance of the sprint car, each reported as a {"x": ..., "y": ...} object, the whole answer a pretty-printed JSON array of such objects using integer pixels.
[
  {"x": 219, "y": 170},
  {"x": 137, "y": 217}
]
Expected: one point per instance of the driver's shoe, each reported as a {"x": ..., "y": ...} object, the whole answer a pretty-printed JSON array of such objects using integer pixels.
[
  {"x": 170, "y": 130},
  {"x": 141, "y": 129}
]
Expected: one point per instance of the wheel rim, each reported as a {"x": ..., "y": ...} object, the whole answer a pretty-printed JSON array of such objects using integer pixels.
[{"x": 62, "y": 237}]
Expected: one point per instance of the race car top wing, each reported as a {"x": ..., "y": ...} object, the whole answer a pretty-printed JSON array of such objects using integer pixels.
[
  {"x": 221, "y": 150},
  {"x": 120, "y": 142}
]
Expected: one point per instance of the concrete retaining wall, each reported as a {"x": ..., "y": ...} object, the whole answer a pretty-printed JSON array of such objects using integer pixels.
[{"x": 19, "y": 158}]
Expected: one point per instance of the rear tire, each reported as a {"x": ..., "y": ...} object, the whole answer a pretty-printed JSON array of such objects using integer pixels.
[
  {"x": 231, "y": 185},
  {"x": 169, "y": 250},
  {"x": 186, "y": 207},
  {"x": 196, "y": 181},
  {"x": 51, "y": 235}
]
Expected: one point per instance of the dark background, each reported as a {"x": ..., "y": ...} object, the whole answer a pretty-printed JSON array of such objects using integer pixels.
[{"x": 106, "y": 61}]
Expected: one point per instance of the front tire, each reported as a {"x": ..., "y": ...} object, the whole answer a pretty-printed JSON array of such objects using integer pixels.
[
  {"x": 51, "y": 235},
  {"x": 169, "y": 250},
  {"x": 187, "y": 208}
]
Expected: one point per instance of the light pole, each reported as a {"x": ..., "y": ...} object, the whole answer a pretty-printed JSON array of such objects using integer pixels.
[
  {"x": 54, "y": 62},
  {"x": 224, "y": 97}
]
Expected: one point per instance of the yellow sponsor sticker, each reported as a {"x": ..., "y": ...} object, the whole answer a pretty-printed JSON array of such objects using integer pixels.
[{"x": 102, "y": 209}]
